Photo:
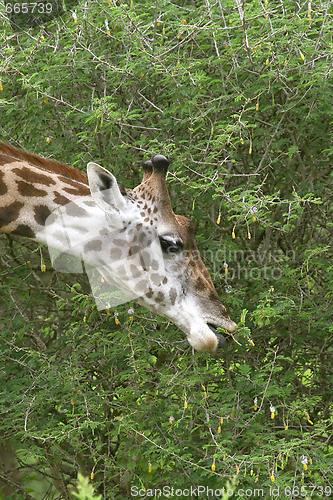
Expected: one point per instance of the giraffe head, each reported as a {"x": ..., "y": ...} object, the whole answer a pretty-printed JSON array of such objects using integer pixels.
[
  {"x": 157, "y": 255},
  {"x": 130, "y": 237}
]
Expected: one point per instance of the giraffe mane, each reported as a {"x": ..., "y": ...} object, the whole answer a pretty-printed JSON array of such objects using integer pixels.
[{"x": 43, "y": 163}]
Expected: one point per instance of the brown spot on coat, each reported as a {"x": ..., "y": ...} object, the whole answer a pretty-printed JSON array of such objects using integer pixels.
[
  {"x": 80, "y": 190},
  {"x": 59, "y": 199},
  {"x": 159, "y": 297},
  {"x": 30, "y": 176},
  {"x": 200, "y": 285},
  {"x": 116, "y": 253},
  {"x": 121, "y": 272},
  {"x": 156, "y": 279},
  {"x": 26, "y": 189},
  {"x": 213, "y": 296},
  {"x": 3, "y": 187},
  {"x": 118, "y": 242},
  {"x": 145, "y": 259},
  {"x": 10, "y": 213},
  {"x": 172, "y": 295},
  {"x": 93, "y": 246},
  {"x": 155, "y": 265},
  {"x": 74, "y": 210},
  {"x": 133, "y": 250},
  {"x": 136, "y": 273},
  {"x": 42, "y": 212},
  {"x": 6, "y": 160},
  {"x": 141, "y": 287},
  {"x": 24, "y": 230}
]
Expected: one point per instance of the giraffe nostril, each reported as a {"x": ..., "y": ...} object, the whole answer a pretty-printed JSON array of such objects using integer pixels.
[{"x": 222, "y": 340}]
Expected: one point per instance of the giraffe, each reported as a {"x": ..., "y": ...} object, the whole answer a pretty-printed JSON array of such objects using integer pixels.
[{"x": 130, "y": 236}]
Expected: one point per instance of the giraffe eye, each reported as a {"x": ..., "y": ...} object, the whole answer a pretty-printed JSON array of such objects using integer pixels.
[{"x": 170, "y": 245}]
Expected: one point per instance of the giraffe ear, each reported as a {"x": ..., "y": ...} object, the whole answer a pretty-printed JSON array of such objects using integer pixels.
[{"x": 104, "y": 188}]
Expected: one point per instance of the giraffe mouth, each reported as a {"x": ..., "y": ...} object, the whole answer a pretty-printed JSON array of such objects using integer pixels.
[{"x": 222, "y": 340}]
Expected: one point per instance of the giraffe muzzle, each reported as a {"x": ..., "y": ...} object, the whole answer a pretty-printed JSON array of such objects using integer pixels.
[{"x": 221, "y": 340}]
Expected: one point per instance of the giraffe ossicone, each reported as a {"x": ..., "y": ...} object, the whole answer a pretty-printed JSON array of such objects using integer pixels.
[{"x": 132, "y": 244}]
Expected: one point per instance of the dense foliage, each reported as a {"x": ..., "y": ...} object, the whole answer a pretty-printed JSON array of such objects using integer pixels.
[{"x": 239, "y": 95}]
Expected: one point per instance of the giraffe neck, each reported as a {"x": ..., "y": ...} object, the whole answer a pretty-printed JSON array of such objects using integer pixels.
[
  {"x": 30, "y": 194},
  {"x": 61, "y": 213}
]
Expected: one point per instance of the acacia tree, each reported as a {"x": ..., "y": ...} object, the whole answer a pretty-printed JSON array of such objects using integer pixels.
[{"x": 236, "y": 94}]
